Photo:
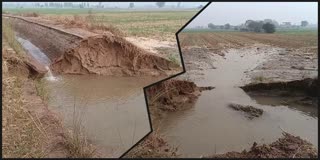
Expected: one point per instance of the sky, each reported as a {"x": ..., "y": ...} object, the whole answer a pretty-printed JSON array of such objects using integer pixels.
[{"x": 236, "y": 13}]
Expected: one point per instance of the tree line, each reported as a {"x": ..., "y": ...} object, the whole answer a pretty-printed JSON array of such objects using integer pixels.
[{"x": 267, "y": 26}]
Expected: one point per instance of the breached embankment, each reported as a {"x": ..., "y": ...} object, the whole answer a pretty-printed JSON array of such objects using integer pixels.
[{"x": 78, "y": 51}]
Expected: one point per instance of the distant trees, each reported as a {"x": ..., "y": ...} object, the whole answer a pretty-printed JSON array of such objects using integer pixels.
[
  {"x": 304, "y": 23},
  {"x": 227, "y": 26},
  {"x": 160, "y": 4},
  {"x": 269, "y": 27},
  {"x": 131, "y": 5},
  {"x": 255, "y": 26},
  {"x": 212, "y": 26}
]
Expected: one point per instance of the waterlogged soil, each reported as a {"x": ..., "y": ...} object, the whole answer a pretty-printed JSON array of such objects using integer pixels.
[{"x": 222, "y": 129}]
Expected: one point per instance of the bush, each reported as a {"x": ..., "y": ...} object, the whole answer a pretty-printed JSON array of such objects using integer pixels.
[{"x": 269, "y": 28}]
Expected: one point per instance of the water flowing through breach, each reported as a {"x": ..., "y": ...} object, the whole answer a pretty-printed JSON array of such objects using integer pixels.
[{"x": 111, "y": 110}]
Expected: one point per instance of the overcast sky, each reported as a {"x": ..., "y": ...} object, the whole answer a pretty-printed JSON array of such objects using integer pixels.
[{"x": 238, "y": 12}]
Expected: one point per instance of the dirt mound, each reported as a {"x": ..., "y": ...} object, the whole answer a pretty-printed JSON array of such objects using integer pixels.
[
  {"x": 173, "y": 95},
  {"x": 109, "y": 55},
  {"x": 153, "y": 146},
  {"x": 80, "y": 51},
  {"x": 251, "y": 112},
  {"x": 288, "y": 146},
  {"x": 308, "y": 85}
]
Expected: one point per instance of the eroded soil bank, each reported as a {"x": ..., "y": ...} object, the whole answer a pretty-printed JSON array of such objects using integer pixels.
[
  {"x": 110, "y": 54},
  {"x": 109, "y": 111},
  {"x": 228, "y": 70},
  {"x": 288, "y": 146},
  {"x": 164, "y": 98}
]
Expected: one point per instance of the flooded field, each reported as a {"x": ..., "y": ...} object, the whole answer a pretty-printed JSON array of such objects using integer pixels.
[
  {"x": 211, "y": 127},
  {"x": 109, "y": 110}
]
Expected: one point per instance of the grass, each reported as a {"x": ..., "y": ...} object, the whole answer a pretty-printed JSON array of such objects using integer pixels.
[
  {"x": 259, "y": 79},
  {"x": 42, "y": 90},
  {"x": 154, "y": 24},
  {"x": 174, "y": 58},
  {"x": 9, "y": 36},
  {"x": 76, "y": 141},
  {"x": 22, "y": 136}
]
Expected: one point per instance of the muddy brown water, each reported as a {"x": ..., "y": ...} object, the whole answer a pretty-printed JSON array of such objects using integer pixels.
[
  {"x": 110, "y": 110},
  {"x": 211, "y": 127}
]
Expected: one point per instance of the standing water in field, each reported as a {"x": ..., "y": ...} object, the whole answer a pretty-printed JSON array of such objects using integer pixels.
[
  {"x": 212, "y": 127},
  {"x": 111, "y": 111}
]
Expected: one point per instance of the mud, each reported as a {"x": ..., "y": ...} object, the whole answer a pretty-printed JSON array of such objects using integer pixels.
[
  {"x": 153, "y": 146},
  {"x": 69, "y": 48},
  {"x": 288, "y": 146},
  {"x": 227, "y": 72},
  {"x": 251, "y": 112},
  {"x": 286, "y": 65},
  {"x": 170, "y": 96},
  {"x": 307, "y": 86}
]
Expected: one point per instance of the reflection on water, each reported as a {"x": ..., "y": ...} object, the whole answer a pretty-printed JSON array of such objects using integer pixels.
[
  {"x": 112, "y": 109},
  {"x": 211, "y": 127}
]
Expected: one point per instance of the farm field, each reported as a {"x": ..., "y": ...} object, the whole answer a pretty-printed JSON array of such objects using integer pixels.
[
  {"x": 120, "y": 52},
  {"x": 220, "y": 40},
  {"x": 257, "y": 84},
  {"x": 152, "y": 24}
]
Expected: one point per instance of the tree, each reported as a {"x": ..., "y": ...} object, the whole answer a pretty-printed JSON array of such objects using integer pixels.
[
  {"x": 160, "y": 4},
  {"x": 255, "y": 26},
  {"x": 227, "y": 26},
  {"x": 304, "y": 23},
  {"x": 131, "y": 5},
  {"x": 212, "y": 26},
  {"x": 269, "y": 27}
]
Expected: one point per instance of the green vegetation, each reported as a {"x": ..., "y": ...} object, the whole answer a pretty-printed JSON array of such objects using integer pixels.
[
  {"x": 174, "y": 58},
  {"x": 75, "y": 140},
  {"x": 42, "y": 90},
  {"x": 298, "y": 31},
  {"x": 156, "y": 24},
  {"x": 9, "y": 36}
]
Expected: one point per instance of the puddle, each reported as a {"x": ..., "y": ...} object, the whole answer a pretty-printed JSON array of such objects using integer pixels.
[
  {"x": 111, "y": 110},
  {"x": 211, "y": 127}
]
